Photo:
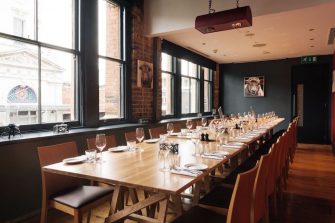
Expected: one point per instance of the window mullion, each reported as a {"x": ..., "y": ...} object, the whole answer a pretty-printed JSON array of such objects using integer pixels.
[{"x": 39, "y": 86}]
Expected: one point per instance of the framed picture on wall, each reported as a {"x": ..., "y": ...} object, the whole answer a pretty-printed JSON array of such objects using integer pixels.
[
  {"x": 254, "y": 86},
  {"x": 144, "y": 74}
]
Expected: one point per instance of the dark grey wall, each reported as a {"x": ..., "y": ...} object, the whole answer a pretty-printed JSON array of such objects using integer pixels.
[{"x": 277, "y": 75}]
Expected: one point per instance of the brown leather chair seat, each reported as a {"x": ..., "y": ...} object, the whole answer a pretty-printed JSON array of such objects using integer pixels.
[
  {"x": 199, "y": 214},
  {"x": 81, "y": 195},
  {"x": 220, "y": 197}
]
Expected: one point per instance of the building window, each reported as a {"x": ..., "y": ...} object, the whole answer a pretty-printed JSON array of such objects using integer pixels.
[
  {"x": 190, "y": 82},
  {"x": 111, "y": 60},
  {"x": 168, "y": 79},
  {"x": 208, "y": 89},
  {"x": 38, "y": 71}
]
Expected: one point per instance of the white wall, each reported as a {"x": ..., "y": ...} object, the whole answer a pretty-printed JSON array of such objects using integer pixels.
[{"x": 162, "y": 16}]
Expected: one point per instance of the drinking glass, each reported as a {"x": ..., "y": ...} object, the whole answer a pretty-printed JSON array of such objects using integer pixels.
[
  {"x": 169, "y": 128},
  {"x": 100, "y": 143},
  {"x": 140, "y": 136},
  {"x": 91, "y": 155},
  {"x": 203, "y": 122},
  {"x": 131, "y": 145}
]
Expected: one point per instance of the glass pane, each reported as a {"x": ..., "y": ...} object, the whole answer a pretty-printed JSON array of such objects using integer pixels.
[
  {"x": 194, "y": 96},
  {"x": 167, "y": 94},
  {"x": 166, "y": 62},
  {"x": 110, "y": 97},
  {"x": 193, "y": 72},
  {"x": 184, "y": 67},
  {"x": 17, "y": 18},
  {"x": 19, "y": 83},
  {"x": 207, "y": 96},
  {"x": 58, "y": 86},
  {"x": 109, "y": 29},
  {"x": 185, "y": 95},
  {"x": 206, "y": 73},
  {"x": 55, "y": 22}
]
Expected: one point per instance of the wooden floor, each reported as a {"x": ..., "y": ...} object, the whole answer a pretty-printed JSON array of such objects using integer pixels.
[{"x": 310, "y": 196}]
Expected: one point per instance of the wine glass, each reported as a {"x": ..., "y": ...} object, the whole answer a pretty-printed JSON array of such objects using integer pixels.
[
  {"x": 203, "y": 122},
  {"x": 140, "y": 135},
  {"x": 100, "y": 143},
  {"x": 169, "y": 128},
  {"x": 189, "y": 124}
]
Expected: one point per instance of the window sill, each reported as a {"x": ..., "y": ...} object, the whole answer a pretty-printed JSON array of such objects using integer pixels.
[
  {"x": 166, "y": 120},
  {"x": 43, "y": 135}
]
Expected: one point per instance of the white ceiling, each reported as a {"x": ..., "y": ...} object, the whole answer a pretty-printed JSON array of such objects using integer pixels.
[{"x": 286, "y": 34}]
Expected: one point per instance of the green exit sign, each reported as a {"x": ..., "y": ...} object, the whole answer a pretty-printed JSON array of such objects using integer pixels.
[{"x": 309, "y": 59}]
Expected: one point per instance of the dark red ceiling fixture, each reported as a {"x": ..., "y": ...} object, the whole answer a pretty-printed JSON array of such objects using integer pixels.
[{"x": 238, "y": 17}]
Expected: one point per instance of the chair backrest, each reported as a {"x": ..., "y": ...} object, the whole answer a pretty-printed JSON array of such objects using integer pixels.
[
  {"x": 53, "y": 183},
  {"x": 260, "y": 188},
  {"x": 271, "y": 183},
  {"x": 130, "y": 136},
  {"x": 241, "y": 202},
  {"x": 110, "y": 142},
  {"x": 176, "y": 127},
  {"x": 155, "y": 132}
]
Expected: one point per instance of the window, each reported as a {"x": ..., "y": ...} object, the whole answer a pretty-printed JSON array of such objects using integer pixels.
[
  {"x": 208, "y": 89},
  {"x": 38, "y": 71},
  {"x": 111, "y": 60},
  {"x": 190, "y": 82},
  {"x": 168, "y": 78}
]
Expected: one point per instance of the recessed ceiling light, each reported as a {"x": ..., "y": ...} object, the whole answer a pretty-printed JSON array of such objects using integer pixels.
[
  {"x": 203, "y": 43},
  {"x": 259, "y": 45},
  {"x": 311, "y": 29},
  {"x": 250, "y": 34},
  {"x": 266, "y": 52},
  {"x": 215, "y": 51},
  {"x": 312, "y": 46},
  {"x": 224, "y": 55},
  {"x": 311, "y": 39}
]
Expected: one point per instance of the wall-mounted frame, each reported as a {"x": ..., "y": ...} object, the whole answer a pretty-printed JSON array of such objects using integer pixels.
[
  {"x": 254, "y": 86},
  {"x": 144, "y": 74}
]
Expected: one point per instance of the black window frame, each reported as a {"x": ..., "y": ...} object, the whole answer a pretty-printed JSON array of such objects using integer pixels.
[
  {"x": 39, "y": 44},
  {"x": 174, "y": 76},
  {"x": 124, "y": 57},
  {"x": 211, "y": 73},
  {"x": 180, "y": 53}
]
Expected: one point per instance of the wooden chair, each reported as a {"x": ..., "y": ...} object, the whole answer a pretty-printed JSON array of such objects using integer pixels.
[
  {"x": 239, "y": 209},
  {"x": 110, "y": 140},
  {"x": 130, "y": 136},
  {"x": 176, "y": 127},
  {"x": 66, "y": 193},
  {"x": 155, "y": 132}
]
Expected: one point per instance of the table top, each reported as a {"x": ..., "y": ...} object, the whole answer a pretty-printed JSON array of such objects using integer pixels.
[{"x": 143, "y": 169}]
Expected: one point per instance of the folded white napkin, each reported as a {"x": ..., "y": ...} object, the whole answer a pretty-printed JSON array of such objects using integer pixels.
[{"x": 184, "y": 172}]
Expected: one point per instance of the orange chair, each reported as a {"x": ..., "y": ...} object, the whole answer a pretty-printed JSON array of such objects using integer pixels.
[
  {"x": 66, "y": 193},
  {"x": 130, "y": 136},
  {"x": 260, "y": 206},
  {"x": 155, "y": 132},
  {"x": 110, "y": 142},
  {"x": 239, "y": 209}
]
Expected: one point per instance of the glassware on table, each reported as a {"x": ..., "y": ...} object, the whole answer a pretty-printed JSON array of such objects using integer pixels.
[
  {"x": 91, "y": 155},
  {"x": 100, "y": 143},
  {"x": 140, "y": 136},
  {"x": 174, "y": 160},
  {"x": 189, "y": 124},
  {"x": 203, "y": 122},
  {"x": 169, "y": 128},
  {"x": 164, "y": 152},
  {"x": 131, "y": 145}
]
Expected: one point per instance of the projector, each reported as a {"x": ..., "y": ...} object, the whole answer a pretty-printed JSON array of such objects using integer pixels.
[{"x": 219, "y": 21}]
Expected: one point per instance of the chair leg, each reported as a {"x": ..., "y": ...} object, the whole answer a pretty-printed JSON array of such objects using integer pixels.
[
  {"x": 89, "y": 216},
  {"x": 44, "y": 212},
  {"x": 77, "y": 216}
]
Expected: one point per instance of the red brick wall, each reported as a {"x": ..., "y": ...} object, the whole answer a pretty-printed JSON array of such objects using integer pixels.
[{"x": 143, "y": 49}]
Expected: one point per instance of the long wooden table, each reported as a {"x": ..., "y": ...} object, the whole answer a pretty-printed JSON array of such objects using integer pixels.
[{"x": 142, "y": 170}]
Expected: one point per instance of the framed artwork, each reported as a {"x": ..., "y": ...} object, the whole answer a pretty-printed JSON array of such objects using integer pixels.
[
  {"x": 144, "y": 74},
  {"x": 254, "y": 86}
]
